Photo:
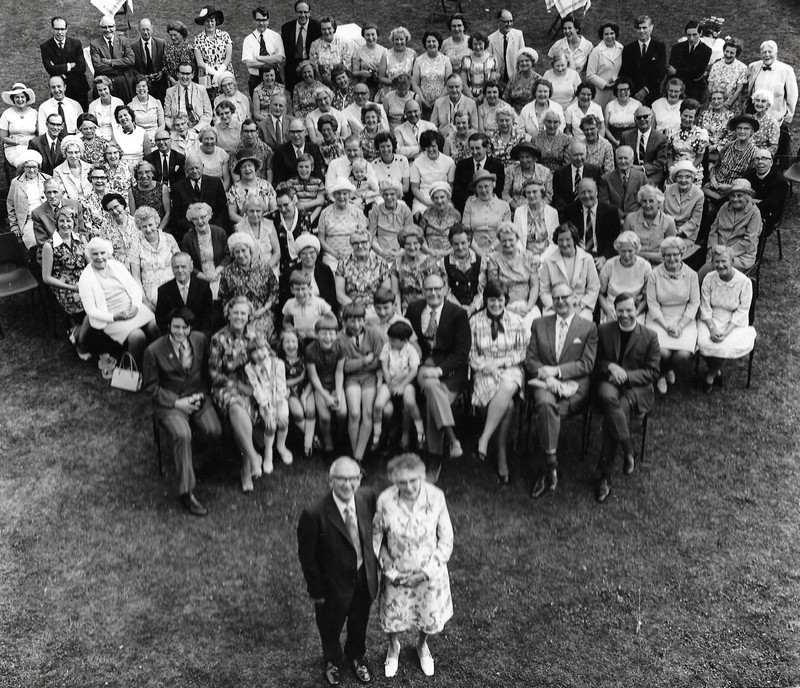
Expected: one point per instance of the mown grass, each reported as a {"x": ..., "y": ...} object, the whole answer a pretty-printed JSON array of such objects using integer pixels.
[{"x": 688, "y": 576}]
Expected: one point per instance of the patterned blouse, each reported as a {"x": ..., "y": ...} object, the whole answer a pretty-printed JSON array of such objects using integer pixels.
[
  {"x": 513, "y": 189},
  {"x": 227, "y": 357},
  {"x": 338, "y": 225},
  {"x": 341, "y": 99},
  {"x": 687, "y": 144},
  {"x": 263, "y": 96},
  {"x": 119, "y": 180},
  {"x": 732, "y": 163},
  {"x": 516, "y": 273},
  {"x": 727, "y": 77},
  {"x": 155, "y": 262},
  {"x": 410, "y": 277},
  {"x": 331, "y": 151},
  {"x": 153, "y": 198},
  {"x": 457, "y": 148},
  {"x": 94, "y": 151},
  {"x": 601, "y": 154},
  {"x": 258, "y": 283},
  {"x": 431, "y": 75},
  {"x": 501, "y": 148},
  {"x": 361, "y": 280},
  {"x": 303, "y": 100},
  {"x": 213, "y": 49},
  {"x": 554, "y": 149},
  {"x": 436, "y": 227},
  {"x": 239, "y": 193},
  {"x": 174, "y": 55},
  {"x": 768, "y": 133},
  {"x": 327, "y": 55},
  {"x": 478, "y": 72},
  {"x": 716, "y": 124},
  {"x": 68, "y": 264},
  {"x": 519, "y": 91}
]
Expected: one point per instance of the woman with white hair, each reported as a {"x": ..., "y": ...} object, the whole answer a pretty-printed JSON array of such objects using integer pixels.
[
  {"x": 323, "y": 97},
  {"x": 683, "y": 202},
  {"x": 650, "y": 223},
  {"x": 519, "y": 91},
  {"x": 398, "y": 60},
  {"x": 535, "y": 220},
  {"x": 113, "y": 300},
  {"x": 253, "y": 279},
  {"x": 507, "y": 135},
  {"x": 73, "y": 173},
  {"x": 215, "y": 159},
  {"x": 769, "y": 131},
  {"x": 338, "y": 221},
  {"x": 387, "y": 219},
  {"x": 151, "y": 255},
  {"x": 25, "y": 194},
  {"x": 626, "y": 272},
  {"x": 255, "y": 224},
  {"x": 207, "y": 244}
]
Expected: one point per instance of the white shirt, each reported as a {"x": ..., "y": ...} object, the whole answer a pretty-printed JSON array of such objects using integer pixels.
[
  {"x": 340, "y": 167},
  {"x": 352, "y": 114},
  {"x": 408, "y": 140},
  {"x": 251, "y": 47},
  {"x": 71, "y": 112},
  {"x": 425, "y": 317},
  {"x": 780, "y": 81}
]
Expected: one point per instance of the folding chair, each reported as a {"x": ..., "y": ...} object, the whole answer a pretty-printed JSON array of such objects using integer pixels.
[{"x": 15, "y": 277}]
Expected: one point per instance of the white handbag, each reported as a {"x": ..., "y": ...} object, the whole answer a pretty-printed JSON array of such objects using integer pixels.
[{"x": 127, "y": 377}]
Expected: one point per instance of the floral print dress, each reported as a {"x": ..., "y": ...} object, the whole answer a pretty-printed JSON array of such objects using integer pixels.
[
  {"x": 227, "y": 358},
  {"x": 259, "y": 284},
  {"x": 68, "y": 264}
]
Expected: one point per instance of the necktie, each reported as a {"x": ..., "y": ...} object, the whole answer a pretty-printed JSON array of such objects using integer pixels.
[
  {"x": 196, "y": 189},
  {"x": 352, "y": 531},
  {"x": 576, "y": 181},
  {"x": 111, "y": 48},
  {"x": 766, "y": 69},
  {"x": 61, "y": 113},
  {"x": 644, "y": 49},
  {"x": 430, "y": 331},
  {"x": 624, "y": 182},
  {"x": 278, "y": 131},
  {"x": 185, "y": 292},
  {"x": 299, "y": 47},
  {"x": 148, "y": 58},
  {"x": 186, "y": 356},
  {"x": 641, "y": 149},
  {"x": 415, "y": 131},
  {"x": 53, "y": 151},
  {"x": 561, "y": 337},
  {"x": 60, "y": 46},
  {"x": 186, "y": 99},
  {"x": 589, "y": 233},
  {"x": 505, "y": 57},
  {"x": 164, "y": 169},
  {"x": 478, "y": 167}
]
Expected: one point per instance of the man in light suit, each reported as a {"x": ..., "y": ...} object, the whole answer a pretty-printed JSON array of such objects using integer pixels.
[
  {"x": 777, "y": 77},
  {"x": 407, "y": 134},
  {"x": 597, "y": 222},
  {"x": 284, "y": 164},
  {"x": 176, "y": 379},
  {"x": 688, "y": 61},
  {"x": 298, "y": 35},
  {"x": 620, "y": 186},
  {"x": 505, "y": 44},
  {"x": 645, "y": 139},
  {"x": 112, "y": 56},
  {"x": 197, "y": 187},
  {"x": 334, "y": 544},
  {"x": 628, "y": 360},
  {"x": 562, "y": 348},
  {"x": 276, "y": 119},
  {"x": 454, "y": 101},
  {"x": 343, "y": 165},
  {"x": 163, "y": 157},
  {"x": 352, "y": 113},
  {"x": 188, "y": 98},
  {"x": 44, "y": 216},
  {"x": 185, "y": 290},
  {"x": 565, "y": 186},
  {"x": 48, "y": 145},
  {"x": 442, "y": 329},
  {"x": 148, "y": 54},
  {"x": 644, "y": 61},
  {"x": 62, "y": 56},
  {"x": 468, "y": 167}
]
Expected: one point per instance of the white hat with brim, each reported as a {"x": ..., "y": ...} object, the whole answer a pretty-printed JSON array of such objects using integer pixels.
[
  {"x": 682, "y": 166},
  {"x": 28, "y": 155},
  {"x": 742, "y": 185},
  {"x": 18, "y": 89},
  {"x": 341, "y": 184}
]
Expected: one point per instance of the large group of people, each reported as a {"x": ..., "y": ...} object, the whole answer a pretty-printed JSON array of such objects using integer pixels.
[{"x": 364, "y": 237}]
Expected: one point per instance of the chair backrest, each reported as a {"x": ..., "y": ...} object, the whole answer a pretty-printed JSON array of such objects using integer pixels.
[
  {"x": 10, "y": 250},
  {"x": 751, "y": 316}
]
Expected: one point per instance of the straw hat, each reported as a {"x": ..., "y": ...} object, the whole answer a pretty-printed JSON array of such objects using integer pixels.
[{"x": 17, "y": 89}]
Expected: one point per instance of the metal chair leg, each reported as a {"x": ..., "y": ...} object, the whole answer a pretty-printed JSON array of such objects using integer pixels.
[
  {"x": 157, "y": 440},
  {"x": 750, "y": 367},
  {"x": 780, "y": 245},
  {"x": 644, "y": 437}
]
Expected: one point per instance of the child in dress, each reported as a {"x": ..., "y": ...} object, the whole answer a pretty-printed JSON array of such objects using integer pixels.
[
  {"x": 301, "y": 395},
  {"x": 400, "y": 362},
  {"x": 308, "y": 187},
  {"x": 366, "y": 192},
  {"x": 325, "y": 364},
  {"x": 267, "y": 377},
  {"x": 304, "y": 309}
]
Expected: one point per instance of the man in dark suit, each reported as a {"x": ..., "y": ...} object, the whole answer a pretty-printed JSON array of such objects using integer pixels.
[
  {"x": 566, "y": 178},
  {"x": 621, "y": 186},
  {"x": 284, "y": 164},
  {"x": 44, "y": 216},
  {"x": 298, "y": 35},
  {"x": 649, "y": 146},
  {"x": 442, "y": 329},
  {"x": 112, "y": 56},
  {"x": 628, "y": 360},
  {"x": 597, "y": 222},
  {"x": 49, "y": 145},
  {"x": 276, "y": 119},
  {"x": 688, "y": 61},
  {"x": 185, "y": 290},
  {"x": 176, "y": 378},
  {"x": 63, "y": 56},
  {"x": 164, "y": 158},
  {"x": 644, "y": 61},
  {"x": 148, "y": 53},
  {"x": 197, "y": 188},
  {"x": 466, "y": 169},
  {"x": 771, "y": 189},
  {"x": 334, "y": 543},
  {"x": 562, "y": 348}
]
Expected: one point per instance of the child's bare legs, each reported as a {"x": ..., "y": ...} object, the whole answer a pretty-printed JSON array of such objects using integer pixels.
[
  {"x": 308, "y": 435},
  {"x": 381, "y": 399},
  {"x": 410, "y": 405},
  {"x": 324, "y": 417},
  {"x": 269, "y": 437},
  {"x": 360, "y": 406}
]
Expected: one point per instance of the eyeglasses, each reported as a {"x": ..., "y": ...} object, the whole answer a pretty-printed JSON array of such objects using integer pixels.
[
  {"x": 347, "y": 478},
  {"x": 185, "y": 73},
  {"x": 297, "y": 131},
  {"x": 562, "y": 298},
  {"x": 99, "y": 179},
  {"x": 162, "y": 140},
  {"x": 359, "y": 243},
  {"x": 641, "y": 118},
  {"x": 432, "y": 289}
]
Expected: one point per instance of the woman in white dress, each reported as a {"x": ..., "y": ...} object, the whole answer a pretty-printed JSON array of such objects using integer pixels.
[
  {"x": 605, "y": 61},
  {"x": 18, "y": 124},
  {"x": 576, "y": 47},
  {"x": 132, "y": 139},
  {"x": 624, "y": 273},
  {"x": 103, "y": 107}
]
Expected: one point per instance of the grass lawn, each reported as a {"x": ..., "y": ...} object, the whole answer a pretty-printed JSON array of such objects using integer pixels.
[{"x": 688, "y": 576}]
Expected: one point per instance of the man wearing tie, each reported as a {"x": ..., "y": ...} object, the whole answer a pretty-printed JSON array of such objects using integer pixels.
[
  {"x": 262, "y": 47},
  {"x": 197, "y": 188},
  {"x": 445, "y": 107},
  {"x": 284, "y": 164},
  {"x": 567, "y": 177},
  {"x": 58, "y": 104},
  {"x": 298, "y": 35},
  {"x": 169, "y": 164},
  {"x": 649, "y": 146},
  {"x": 621, "y": 186},
  {"x": 185, "y": 290},
  {"x": 559, "y": 361},
  {"x": 275, "y": 126},
  {"x": 112, "y": 56},
  {"x": 148, "y": 53},
  {"x": 189, "y": 99},
  {"x": 48, "y": 145},
  {"x": 62, "y": 56},
  {"x": 644, "y": 61},
  {"x": 334, "y": 544},
  {"x": 44, "y": 216},
  {"x": 176, "y": 379},
  {"x": 505, "y": 44},
  {"x": 688, "y": 61},
  {"x": 467, "y": 169},
  {"x": 598, "y": 222},
  {"x": 407, "y": 134}
]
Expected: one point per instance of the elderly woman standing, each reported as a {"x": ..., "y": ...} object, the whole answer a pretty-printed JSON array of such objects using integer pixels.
[
  {"x": 387, "y": 220},
  {"x": 131, "y": 138},
  {"x": 519, "y": 91},
  {"x": 73, "y": 173},
  {"x": 438, "y": 219},
  {"x": 112, "y": 300},
  {"x": 149, "y": 111},
  {"x": 673, "y": 297},
  {"x": 414, "y": 537},
  {"x": 528, "y": 169},
  {"x": 398, "y": 60},
  {"x": 120, "y": 174},
  {"x": 412, "y": 267},
  {"x": 683, "y": 202},
  {"x": 25, "y": 195},
  {"x": 18, "y": 123},
  {"x": 338, "y": 221},
  {"x": 147, "y": 192},
  {"x": 552, "y": 142},
  {"x": 151, "y": 256},
  {"x": 499, "y": 340},
  {"x": 535, "y": 220},
  {"x": 599, "y": 151},
  {"x": 430, "y": 71},
  {"x": 507, "y": 136},
  {"x": 572, "y": 265},
  {"x": 484, "y": 212},
  {"x": 729, "y": 75},
  {"x": 104, "y": 107},
  {"x": 624, "y": 273},
  {"x": 724, "y": 331},
  {"x": 650, "y": 223},
  {"x": 253, "y": 279},
  {"x": 361, "y": 273},
  {"x": 207, "y": 244},
  {"x": 249, "y": 185},
  {"x": 329, "y": 50},
  {"x": 256, "y": 224},
  {"x": 688, "y": 141},
  {"x": 213, "y": 49},
  {"x": 605, "y": 61}
]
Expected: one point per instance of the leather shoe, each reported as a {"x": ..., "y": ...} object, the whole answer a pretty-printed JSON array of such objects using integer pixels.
[
  {"x": 603, "y": 490},
  {"x": 545, "y": 483},
  {"x": 331, "y": 674},
  {"x": 191, "y": 505},
  {"x": 628, "y": 462},
  {"x": 361, "y": 669}
]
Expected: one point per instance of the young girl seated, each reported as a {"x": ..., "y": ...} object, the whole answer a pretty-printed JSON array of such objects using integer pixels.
[
  {"x": 301, "y": 395},
  {"x": 309, "y": 187},
  {"x": 267, "y": 377},
  {"x": 362, "y": 347},
  {"x": 325, "y": 364},
  {"x": 400, "y": 362},
  {"x": 366, "y": 192},
  {"x": 304, "y": 309}
]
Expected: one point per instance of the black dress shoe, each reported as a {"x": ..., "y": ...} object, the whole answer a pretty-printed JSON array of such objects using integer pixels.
[
  {"x": 191, "y": 505},
  {"x": 603, "y": 490},
  {"x": 331, "y": 674},
  {"x": 361, "y": 670},
  {"x": 628, "y": 462},
  {"x": 719, "y": 381}
]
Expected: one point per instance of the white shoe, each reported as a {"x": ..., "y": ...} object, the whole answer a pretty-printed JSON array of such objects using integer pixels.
[
  {"x": 247, "y": 481},
  {"x": 267, "y": 466},
  {"x": 390, "y": 665},
  {"x": 661, "y": 385},
  {"x": 286, "y": 456},
  {"x": 671, "y": 377},
  {"x": 425, "y": 660},
  {"x": 456, "y": 451}
]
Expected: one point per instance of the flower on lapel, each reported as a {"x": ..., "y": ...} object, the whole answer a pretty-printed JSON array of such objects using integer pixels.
[{"x": 577, "y": 340}]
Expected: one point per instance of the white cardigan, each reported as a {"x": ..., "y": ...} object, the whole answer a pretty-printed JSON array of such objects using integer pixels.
[{"x": 94, "y": 299}]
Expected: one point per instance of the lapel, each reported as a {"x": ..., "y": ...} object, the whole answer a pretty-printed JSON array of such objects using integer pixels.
[
  {"x": 363, "y": 520},
  {"x": 560, "y": 259},
  {"x": 631, "y": 340},
  {"x": 171, "y": 357},
  {"x": 333, "y": 515},
  {"x": 615, "y": 339},
  {"x": 571, "y": 334},
  {"x": 616, "y": 180},
  {"x": 550, "y": 333}
]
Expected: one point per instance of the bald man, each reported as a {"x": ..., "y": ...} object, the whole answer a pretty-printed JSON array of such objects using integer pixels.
[{"x": 567, "y": 177}]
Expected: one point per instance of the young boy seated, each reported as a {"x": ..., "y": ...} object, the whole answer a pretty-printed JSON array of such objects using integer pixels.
[
  {"x": 325, "y": 364},
  {"x": 385, "y": 304},
  {"x": 304, "y": 309},
  {"x": 361, "y": 346},
  {"x": 308, "y": 187}
]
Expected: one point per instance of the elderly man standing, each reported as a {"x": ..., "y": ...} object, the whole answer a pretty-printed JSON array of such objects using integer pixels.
[
  {"x": 148, "y": 54},
  {"x": 334, "y": 544},
  {"x": 189, "y": 99},
  {"x": 649, "y": 146},
  {"x": 442, "y": 329},
  {"x": 621, "y": 186},
  {"x": 559, "y": 360},
  {"x": 505, "y": 44},
  {"x": 112, "y": 56},
  {"x": 176, "y": 379},
  {"x": 628, "y": 360},
  {"x": 645, "y": 62},
  {"x": 261, "y": 47},
  {"x": 62, "y": 56},
  {"x": 59, "y": 104}
]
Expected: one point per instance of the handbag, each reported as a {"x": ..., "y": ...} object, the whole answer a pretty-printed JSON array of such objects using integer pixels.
[{"x": 127, "y": 377}]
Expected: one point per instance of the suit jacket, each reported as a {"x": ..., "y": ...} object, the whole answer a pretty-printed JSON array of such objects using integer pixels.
[
  {"x": 583, "y": 279},
  {"x": 44, "y": 220},
  {"x": 266, "y": 129},
  {"x": 647, "y": 72},
  {"x": 288, "y": 36},
  {"x": 465, "y": 171},
  {"x": 165, "y": 379},
  {"x": 440, "y": 115},
  {"x": 55, "y": 64},
  {"x": 174, "y": 102},
  {"x": 158, "y": 85},
  {"x": 516, "y": 41},
  {"x": 772, "y": 192},
  {"x": 691, "y": 67},
  {"x": 606, "y": 226},
  {"x": 655, "y": 154},
  {"x": 119, "y": 68},
  {"x": 577, "y": 356},
  {"x": 176, "y": 162},
  {"x": 641, "y": 360},
  {"x": 284, "y": 164},
  {"x": 183, "y": 195},
  {"x": 49, "y": 163},
  {"x": 450, "y": 351},
  {"x": 327, "y": 555},
  {"x": 563, "y": 193},
  {"x": 623, "y": 199},
  {"x": 199, "y": 302}
]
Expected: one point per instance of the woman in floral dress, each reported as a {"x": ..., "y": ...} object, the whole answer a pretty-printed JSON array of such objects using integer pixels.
[
  {"x": 430, "y": 72},
  {"x": 689, "y": 141},
  {"x": 437, "y": 220},
  {"x": 151, "y": 256},
  {"x": 413, "y": 266},
  {"x": 337, "y": 222},
  {"x": 507, "y": 136},
  {"x": 729, "y": 75},
  {"x": 361, "y": 273},
  {"x": 213, "y": 50},
  {"x": 399, "y": 60}
]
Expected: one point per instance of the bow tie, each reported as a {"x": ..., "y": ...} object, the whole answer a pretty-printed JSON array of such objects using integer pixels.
[{"x": 766, "y": 69}]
